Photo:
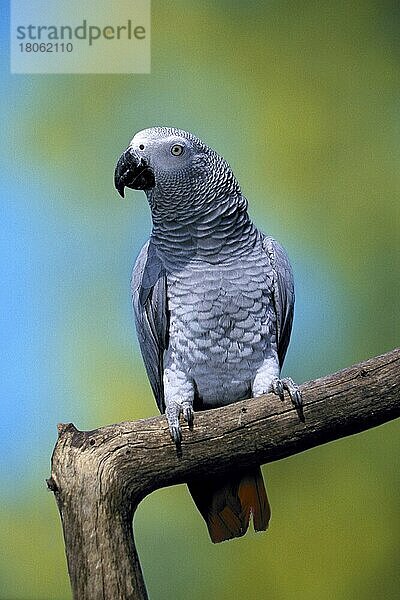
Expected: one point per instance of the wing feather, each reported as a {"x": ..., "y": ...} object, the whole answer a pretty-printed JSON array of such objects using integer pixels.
[
  {"x": 283, "y": 293},
  {"x": 149, "y": 299}
]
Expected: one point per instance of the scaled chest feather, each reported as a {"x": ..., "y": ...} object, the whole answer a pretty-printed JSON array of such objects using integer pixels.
[{"x": 221, "y": 313}]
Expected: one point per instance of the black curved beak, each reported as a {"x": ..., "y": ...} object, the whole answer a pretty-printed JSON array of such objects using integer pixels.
[{"x": 133, "y": 171}]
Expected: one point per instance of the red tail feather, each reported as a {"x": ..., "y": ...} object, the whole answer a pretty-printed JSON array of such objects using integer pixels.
[{"x": 227, "y": 503}]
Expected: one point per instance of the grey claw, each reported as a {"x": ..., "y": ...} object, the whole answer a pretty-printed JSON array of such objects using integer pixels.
[
  {"x": 278, "y": 388},
  {"x": 176, "y": 434},
  {"x": 188, "y": 415},
  {"x": 297, "y": 398}
]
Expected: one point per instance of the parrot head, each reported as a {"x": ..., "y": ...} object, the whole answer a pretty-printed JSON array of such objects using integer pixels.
[{"x": 172, "y": 165}]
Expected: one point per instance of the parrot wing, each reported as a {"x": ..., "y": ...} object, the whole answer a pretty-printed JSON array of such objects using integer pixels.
[
  {"x": 149, "y": 299},
  {"x": 283, "y": 293}
]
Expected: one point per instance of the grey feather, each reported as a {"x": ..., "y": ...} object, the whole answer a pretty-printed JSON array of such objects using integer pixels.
[
  {"x": 283, "y": 293},
  {"x": 149, "y": 299}
]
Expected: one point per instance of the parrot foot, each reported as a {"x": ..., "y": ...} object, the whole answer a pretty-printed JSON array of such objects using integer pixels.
[
  {"x": 173, "y": 412},
  {"x": 287, "y": 383}
]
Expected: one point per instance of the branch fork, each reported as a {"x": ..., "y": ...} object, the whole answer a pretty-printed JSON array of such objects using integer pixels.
[{"x": 99, "y": 477}]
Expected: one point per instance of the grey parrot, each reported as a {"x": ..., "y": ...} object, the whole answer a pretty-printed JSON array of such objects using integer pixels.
[{"x": 213, "y": 302}]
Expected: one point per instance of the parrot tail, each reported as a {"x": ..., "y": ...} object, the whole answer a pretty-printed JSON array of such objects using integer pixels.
[{"x": 226, "y": 503}]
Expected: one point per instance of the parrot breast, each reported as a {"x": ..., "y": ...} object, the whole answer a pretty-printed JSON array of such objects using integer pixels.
[{"x": 222, "y": 324}]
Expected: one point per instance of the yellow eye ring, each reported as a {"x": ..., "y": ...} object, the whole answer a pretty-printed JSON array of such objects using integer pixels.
[{"x": 176, "y": 150}]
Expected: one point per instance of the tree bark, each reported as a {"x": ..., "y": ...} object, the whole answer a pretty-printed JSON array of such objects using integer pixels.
[{"x": 99, "y": 477}]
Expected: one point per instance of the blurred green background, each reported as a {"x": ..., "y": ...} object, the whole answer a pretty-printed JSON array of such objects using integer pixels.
[{"x": 302, "y": 98}]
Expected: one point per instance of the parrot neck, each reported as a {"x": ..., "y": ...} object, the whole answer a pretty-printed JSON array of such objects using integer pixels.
[{"x": 222, "y": 232}]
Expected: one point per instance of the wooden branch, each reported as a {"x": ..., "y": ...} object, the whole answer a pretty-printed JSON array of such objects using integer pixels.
[{"x": 99, "y": 477}]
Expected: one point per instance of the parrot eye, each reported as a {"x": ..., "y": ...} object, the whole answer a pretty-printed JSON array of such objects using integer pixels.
[
  {"x": 176, "y": 150},
  {"x": 141, "y": 147}
]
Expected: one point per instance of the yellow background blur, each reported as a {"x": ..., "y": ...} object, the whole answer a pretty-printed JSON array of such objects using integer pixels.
[{"x": 302, "y": 99}]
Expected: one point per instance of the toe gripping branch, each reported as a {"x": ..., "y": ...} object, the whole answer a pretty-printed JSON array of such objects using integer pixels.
[
  {"x": 173, "y": 412},
  {"x": 287, "y": 383},
  {"x": 175, "y": 409}
]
